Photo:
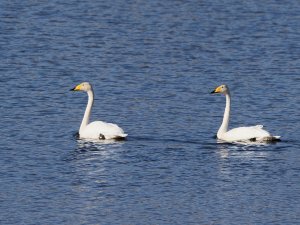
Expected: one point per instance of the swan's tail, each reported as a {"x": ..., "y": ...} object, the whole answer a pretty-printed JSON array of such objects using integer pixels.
[
  {"x": 271, "y": 139},
  {"x": 267, "y": 139},
  {"x": 120, "y": 137}
]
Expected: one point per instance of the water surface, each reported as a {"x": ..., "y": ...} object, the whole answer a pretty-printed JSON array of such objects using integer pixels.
[{"x": 153, "y": 65}]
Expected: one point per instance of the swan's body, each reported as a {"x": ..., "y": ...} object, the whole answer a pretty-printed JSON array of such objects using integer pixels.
[
  {"x": 253, "y": 133},
  {"x": 96, "y": 129}
]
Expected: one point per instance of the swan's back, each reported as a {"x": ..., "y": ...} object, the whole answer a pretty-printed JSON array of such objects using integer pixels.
[
  {"x": 246, "y": 133},
  {"x": 102, "y": 130}
]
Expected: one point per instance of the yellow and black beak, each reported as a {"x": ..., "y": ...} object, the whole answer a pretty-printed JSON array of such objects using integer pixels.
[
  {"x": 77, "y": 88},
  {"x": 217, "y": 90}
]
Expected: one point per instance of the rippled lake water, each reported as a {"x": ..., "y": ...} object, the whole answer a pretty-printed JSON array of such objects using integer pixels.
[{"x": 153, "y": 65}]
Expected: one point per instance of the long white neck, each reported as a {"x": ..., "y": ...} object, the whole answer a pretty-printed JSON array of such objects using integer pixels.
[
  {"x": 224, "y": 126},
  {"x": 87, "y": 113}
]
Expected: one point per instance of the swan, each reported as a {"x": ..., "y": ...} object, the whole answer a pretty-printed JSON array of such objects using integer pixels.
[
  {"x": 97, "y": 129},
  {"x": 253, "y": 133}
]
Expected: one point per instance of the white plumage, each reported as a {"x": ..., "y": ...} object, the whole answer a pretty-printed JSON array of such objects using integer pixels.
[
  {"x": 253, "y": 133},
  {"x": 96, "y": 129}
]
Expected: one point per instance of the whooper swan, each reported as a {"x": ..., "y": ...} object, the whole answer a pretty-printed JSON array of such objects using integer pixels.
[
  {"x": 253, "y": 133},
  {"x": 97, "y": 129}
]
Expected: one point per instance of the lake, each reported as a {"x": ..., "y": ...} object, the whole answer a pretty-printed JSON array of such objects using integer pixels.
[{"x": 153, "y": 65}]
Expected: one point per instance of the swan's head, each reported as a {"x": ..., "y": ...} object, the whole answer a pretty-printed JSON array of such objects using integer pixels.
[
  {"x": 223, "y": 89},
  {"x": 85, "y": 86}
]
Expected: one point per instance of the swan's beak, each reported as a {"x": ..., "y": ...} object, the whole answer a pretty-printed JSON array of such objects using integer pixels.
[
  {"x": 77, "y": 88},
  {"x": 217, "y": 90}
]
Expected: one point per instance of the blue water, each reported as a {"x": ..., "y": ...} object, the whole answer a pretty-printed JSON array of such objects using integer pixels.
[{"x": 152, "y": 65}]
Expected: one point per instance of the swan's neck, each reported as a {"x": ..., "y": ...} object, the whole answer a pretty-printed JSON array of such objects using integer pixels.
[
  {"x": 224, "y": 126},
  {"x": 87, "y": 113}
]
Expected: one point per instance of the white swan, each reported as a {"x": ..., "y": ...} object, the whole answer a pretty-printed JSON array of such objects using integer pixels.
[
  {"x": 96, "y": 129},
  {"x": 253, "y": 133}
]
